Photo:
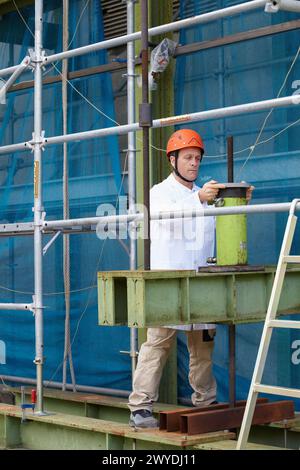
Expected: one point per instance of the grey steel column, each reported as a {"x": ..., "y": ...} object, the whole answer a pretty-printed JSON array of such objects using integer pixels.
[
  {"x": 38, "y": 206},
  {"x": 145, "y": 123},
  {"x": 131, "y": 160},
  {"x": 231, "y": 328}
]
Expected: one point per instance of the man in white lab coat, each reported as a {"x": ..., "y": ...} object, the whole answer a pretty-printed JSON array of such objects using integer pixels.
[{"x": 178, "y": 244}]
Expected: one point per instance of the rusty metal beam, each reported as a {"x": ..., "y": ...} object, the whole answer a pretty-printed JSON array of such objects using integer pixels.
[
  {"x": 170, "y": 420},
  {"x": 239, "y": 37},
  {"x": 72, "y": 75},
  {"x": 210, "y": 421}
]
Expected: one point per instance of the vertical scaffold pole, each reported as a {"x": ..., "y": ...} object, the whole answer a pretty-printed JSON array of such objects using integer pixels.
[{"x": 38, "y": 205}]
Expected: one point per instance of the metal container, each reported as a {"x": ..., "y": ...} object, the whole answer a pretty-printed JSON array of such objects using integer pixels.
[{"x": 231, "y": 231}]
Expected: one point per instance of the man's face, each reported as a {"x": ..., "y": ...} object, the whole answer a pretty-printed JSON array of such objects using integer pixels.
[{"x": 188, "y": 162}]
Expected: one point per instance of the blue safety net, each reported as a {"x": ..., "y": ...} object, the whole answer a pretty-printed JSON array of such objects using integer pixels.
[
  {"x": 95, "y": 177},
  {"x": 241, "y": 72}
]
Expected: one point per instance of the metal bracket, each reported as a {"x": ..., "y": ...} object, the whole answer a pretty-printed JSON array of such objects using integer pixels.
[
  {"x": 130, "y": 150},
  {"x": 129, "y": 353},
  {"x": 145, "y": 115},
  {"x": 134, "y": 75},
  {"x": 47, "y": 246},
  {"x": 33, "y": 306},
  {"x": 273, "y": 6},
  {"x": 219, "y": 202},
  {"x": 34, "y": 60},
  {"x": 2, "y": 95},
  {"x": 41, "y": 141}
]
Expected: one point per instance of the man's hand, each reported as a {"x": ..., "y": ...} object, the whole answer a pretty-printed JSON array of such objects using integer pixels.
[
  {"x": 210, "y": 191},
  {"x": 249, "y": 193}
]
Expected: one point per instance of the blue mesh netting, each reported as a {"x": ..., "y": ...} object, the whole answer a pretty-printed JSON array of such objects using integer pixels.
[
  {"x": 225, "y": 76},
  {"x": 95, "y": 177}
]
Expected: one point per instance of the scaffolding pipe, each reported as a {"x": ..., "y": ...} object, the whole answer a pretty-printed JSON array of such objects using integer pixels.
[
  {"x": 284, "y": 5},
  {"x": 58, "y": 385},
  {"x": 38, "y": 205},
  {"x": 157, "y": 30},
  {"x": 162, "y": 29},
  {"x": 20, "y": 69},
  {"x": 215, "y": 211},
  {"x": 80, "y": 388},
  {"x": 138, "y": 217},
  {"x": 16, "y": 306},
  {"x": 169, "y": 121},
  {"x": 131, "y": 160}
]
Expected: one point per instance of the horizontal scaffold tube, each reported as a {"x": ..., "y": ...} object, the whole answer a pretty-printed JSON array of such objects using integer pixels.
[
  {"x": 16, "y": 306},
  {"x": 52, "y": 225},
  {"x": 157, "y": 30},
  {"x": 162, "y": 29},
  {"x": 79, "y": 388},
  {"x": 124, "y": 218},
  {"x": 169, "y": 121}
]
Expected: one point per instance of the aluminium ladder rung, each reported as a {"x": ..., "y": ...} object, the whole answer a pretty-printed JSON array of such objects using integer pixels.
[
  {"x": 284, "y": 324},
  {"x": 291, "y": 259},
  {"x": 286, "y": 392}
]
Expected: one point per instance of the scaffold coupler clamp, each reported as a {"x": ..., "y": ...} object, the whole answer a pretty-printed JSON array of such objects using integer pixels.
[
  {"x": 145, "y": 115},
  {"x": 34, "y": 307},
  {"x": 39, "y": 140},
  {"x": 35, "y": 60}
]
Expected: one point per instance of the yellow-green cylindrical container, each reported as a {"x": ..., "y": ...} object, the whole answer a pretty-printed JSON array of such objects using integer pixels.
[{"x": 231, "y": 230}]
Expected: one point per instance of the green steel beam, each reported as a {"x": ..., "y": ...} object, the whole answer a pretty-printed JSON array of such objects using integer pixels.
[
  {"x": 138, "y": 298},
  {"x": 231, "y": 445},
  {"x": 61, "y": 431},
  {"x": 114, "y": 411},
  {"x": 280, "y": 435},
  {"x": 88, "y": 405}
]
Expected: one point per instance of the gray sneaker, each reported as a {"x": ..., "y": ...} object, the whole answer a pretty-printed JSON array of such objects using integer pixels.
[{"x": 142, "y": 419}]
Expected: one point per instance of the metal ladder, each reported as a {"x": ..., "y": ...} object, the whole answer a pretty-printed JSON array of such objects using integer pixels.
[{"x": 270, "y": 323}]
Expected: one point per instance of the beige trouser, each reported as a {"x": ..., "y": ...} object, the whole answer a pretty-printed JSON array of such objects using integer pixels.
[{"x": 152, "y": 358}]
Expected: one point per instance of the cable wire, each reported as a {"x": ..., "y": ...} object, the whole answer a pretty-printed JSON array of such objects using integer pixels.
[
  {"x": 23, "y": 19},
  {"x": 269, "y": 113}
]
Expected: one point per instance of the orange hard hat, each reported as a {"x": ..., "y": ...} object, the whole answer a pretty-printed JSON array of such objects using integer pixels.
[{"x": 184, "y": 138}]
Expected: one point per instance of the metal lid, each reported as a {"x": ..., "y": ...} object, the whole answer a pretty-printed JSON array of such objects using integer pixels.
[{"x": 234, "y": 190}]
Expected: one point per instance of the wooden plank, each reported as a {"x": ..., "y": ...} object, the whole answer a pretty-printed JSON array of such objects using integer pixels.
[
  {"x": 94, "y": 399},
  {"x": 231, "y": 445},
  {"x": 211, "y": 421}
]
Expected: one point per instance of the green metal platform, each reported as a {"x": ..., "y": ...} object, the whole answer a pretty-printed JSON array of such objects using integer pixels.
[
  {"x": 89, "y": 421},
  {"x": 69, "y": 432},
  {"x": 154, "y": 298}
]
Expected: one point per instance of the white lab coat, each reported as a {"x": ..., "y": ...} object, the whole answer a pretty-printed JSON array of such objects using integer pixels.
[{"x": 180, "y": 243}]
